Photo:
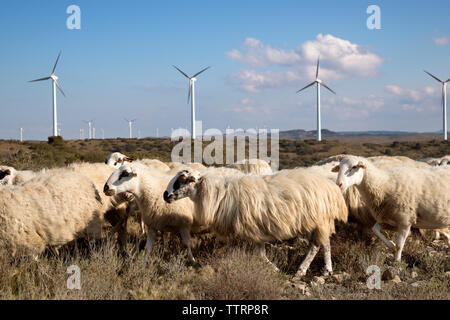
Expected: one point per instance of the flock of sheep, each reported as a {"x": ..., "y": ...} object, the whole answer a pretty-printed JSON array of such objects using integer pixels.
[{"x": 52, "y": 207}]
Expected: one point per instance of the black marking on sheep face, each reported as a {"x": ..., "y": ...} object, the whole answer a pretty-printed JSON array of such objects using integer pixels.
[{"x": 4, "y": 173}]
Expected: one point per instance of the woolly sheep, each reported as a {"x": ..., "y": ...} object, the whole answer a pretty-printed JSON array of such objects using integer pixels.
[
  {"x": 265, "y": 208},
  {"x": 116, "y": 159},
  {"x": 256, "y": 166},
  {"x": 11, "y": 176},
  {"x": 399, "y": 197},
  {"x": 147, "y": 187},
  {"x": 49, "y": 210}
]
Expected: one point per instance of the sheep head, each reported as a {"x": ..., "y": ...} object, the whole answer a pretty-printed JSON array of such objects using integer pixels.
[
  {"x": 7, "y": 175},
  {"x": 351, "y": 172},
  {"x": 122, "y": 180},
  {"x": 182, "y": 185},
  {"x": 116, "y": 159}
]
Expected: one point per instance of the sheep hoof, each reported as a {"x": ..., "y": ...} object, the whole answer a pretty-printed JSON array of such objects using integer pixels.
[
  {"x": 299, "y": 275},
  {"x": 327, "y": 273}
]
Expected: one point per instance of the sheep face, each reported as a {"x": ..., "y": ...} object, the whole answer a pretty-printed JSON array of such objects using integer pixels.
[
  {"x": 6, "y": 175},
  {"x": 351, "y": 172},
  {"x": 182, "y": 185},
  {"x": 121, "y": 180},
  {"x": 444, "y": 162},
  {"x": 116, "y": 159}
]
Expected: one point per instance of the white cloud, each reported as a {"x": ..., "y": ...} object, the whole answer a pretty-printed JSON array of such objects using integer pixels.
[
  {"x": 339, "y": 58},
  {"x": 441, "y": 41},
  {"x": 259, "y": 55},
  {"x": 418, "y": 100}
]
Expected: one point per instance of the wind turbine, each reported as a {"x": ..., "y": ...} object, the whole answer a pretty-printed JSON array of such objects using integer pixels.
[
  {"x": 319, "y": 83},
  {"x": 54, "y": 85},
  {"x": 191, "y": 96},
  {"x": 89, "y": 123},
  {"x": 444, "y": 101},
  {"x": 130, "y": 124}
]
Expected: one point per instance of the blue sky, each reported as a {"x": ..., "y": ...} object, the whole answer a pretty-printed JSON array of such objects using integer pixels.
[{"x": 119, "y": 65}]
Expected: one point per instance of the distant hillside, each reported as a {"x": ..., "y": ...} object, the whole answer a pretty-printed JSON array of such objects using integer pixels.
[{"x": 359, "y": 136}]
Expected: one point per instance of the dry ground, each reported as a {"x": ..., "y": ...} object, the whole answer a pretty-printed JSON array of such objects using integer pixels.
[{"x": 424, "y": 272}]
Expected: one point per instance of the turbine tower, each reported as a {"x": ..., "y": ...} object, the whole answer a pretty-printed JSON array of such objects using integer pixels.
[
  {"x": 191, "y": 96},
  {"x": 130, "y": 126},
  {"x": 444, "y": 102},
  {"x": 89, "y": 123},
  {"x": 54, "y": 85},
  {"x": 319, "y": 83}
]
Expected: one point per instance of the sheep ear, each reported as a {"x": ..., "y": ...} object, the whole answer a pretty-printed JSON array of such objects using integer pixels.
[
  {"x": 335, "y": 169},
  {"x": 8, "y": 172},
  {"x": 361, "y": 165},
  {"x": 127, "y": 159}
]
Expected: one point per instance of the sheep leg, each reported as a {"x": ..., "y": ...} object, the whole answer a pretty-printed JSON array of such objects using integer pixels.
[
  {"x": 151, "y": 238},
  {"x": 312, "y": 251},
  {"x": 403, "y": 232},
  {"x": 186, "y": 239},
  {"x": 261, "y": 251},
  {"x": 142, "y": 226},
  {"x": 377, "y": 229},
  {"x": 327, "y": 257}
]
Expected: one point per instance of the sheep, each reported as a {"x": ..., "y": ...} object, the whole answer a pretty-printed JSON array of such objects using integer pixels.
[
  {"x": 445, "y": 161},
  {"x": 117, "y": 208},
  {"x": 193, "y": 165},
  {"x": 11, "y": 176},
  {"x": 49, "y": 210},
  {"x": 147, "y": 187},
  {"x": 257, "y": 166},
  {"x": 399, "y": 197},
  {"x": 264, "y": 208},
  {"x": 116, "y": 159}
]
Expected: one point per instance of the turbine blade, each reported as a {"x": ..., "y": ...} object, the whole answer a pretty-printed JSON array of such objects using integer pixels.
[
  {"x": 317, "y": 68},
  {"x": 60, "y": 89},
  {"x": 57, "y": 59},
  {"x": 200, "y": 72},
  {"x": 309, "y": 85},
  {"x": 40, "y": 79},
  {"x": 323, "y": 84},
  {"x": 184, "y": 74},
  {"x": 433, "y": 76},
  {"x": 447, "y": 80},
  {"x": 189, "y": 91}
]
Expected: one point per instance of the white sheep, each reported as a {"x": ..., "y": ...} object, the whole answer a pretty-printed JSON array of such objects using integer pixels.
[
  {"x": 147, "y": 187},
  {"x": 399, "y": 197},
  {"x": 256, "y": 166},
  {"x": 116, "y": 159},
  {"x": 256, "y": 208},
  {"x": 49, "y": 210},
  {"x": 11, "y": 176}
]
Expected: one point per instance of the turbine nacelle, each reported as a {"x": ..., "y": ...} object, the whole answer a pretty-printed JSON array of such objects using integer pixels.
[{"x": 54, "y": 77}]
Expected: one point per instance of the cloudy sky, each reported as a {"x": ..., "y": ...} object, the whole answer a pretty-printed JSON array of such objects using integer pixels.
[{"x": 119, "y": 64}]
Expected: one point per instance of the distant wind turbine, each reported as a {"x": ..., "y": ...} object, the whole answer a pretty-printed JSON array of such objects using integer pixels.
[
  {"x": 319, "y": 83},
  {"x": 444, "y": 101},
  {"x": 191, "y": 96},
  {"x": 89, "y": 123},
  {"x": 130, "y": 125},
  {"x": 54, "y": 85}
]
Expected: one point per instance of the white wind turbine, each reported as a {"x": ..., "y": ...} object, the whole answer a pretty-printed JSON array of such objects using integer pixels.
[
  {"x": 54, "y": 85},
  {"x": 89, "y": 123},
  {"x": 319, "y": 83},
  {"x": 191, "y": 96},
  {"x": 444, "y": 102},
  {"x": 130, "y": 126}
]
